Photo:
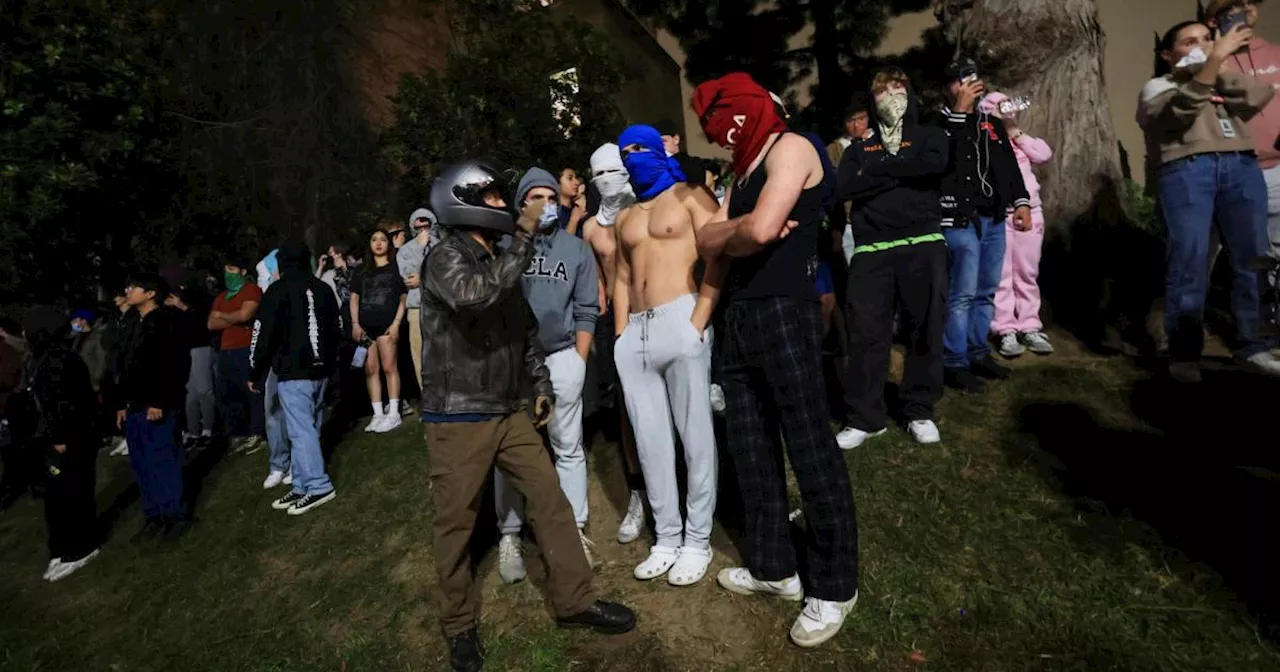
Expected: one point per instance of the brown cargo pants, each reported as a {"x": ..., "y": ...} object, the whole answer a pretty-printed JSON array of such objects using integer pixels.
[{"x": 463, "y": 455}]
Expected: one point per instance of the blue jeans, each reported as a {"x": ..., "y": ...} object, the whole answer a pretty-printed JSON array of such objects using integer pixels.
[
  {"x": 977, "y": 261},
  {"x": 303, "y": 403},
  {"x": 277, "y": 436},
  {"x": 1195, "y": 194},
  {"x": 242, "y": 410},
  {"x": 157, "y": 463}
]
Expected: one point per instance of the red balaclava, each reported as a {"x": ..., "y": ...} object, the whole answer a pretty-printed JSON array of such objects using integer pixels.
[{"x": 739, "y": 115}]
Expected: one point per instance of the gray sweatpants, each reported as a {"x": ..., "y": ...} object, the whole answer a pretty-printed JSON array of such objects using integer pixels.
[
  {"x": 664, "y": 366},
  {"x": 200, "y": 400}
]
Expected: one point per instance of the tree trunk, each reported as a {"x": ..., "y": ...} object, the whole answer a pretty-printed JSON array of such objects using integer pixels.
[{"x": 1051, "y": 51}]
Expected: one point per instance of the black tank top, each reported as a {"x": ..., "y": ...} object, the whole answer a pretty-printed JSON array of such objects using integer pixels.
[{"x": 786, "y": 268}]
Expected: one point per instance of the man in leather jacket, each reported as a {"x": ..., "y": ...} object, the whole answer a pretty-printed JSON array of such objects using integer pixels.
[{"x": 482, "y": 363}]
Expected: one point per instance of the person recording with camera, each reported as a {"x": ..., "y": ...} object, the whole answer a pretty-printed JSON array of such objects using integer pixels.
[
  {"x": 1194, "y": 116},
  {"x": 985, "y": 181}
]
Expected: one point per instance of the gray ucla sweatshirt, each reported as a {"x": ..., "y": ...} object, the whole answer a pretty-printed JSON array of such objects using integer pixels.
[{"x": 560, "y": 286}]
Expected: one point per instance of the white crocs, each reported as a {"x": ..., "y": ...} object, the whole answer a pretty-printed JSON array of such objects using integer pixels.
[
  {"x": 659, "y": 562},
  {"x": 690, "y": 567}
]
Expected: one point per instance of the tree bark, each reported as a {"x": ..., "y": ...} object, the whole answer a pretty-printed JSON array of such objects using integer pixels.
[{"x": 1051, "y": 51}]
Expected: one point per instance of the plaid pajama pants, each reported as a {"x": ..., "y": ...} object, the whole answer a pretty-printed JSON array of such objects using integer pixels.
[{"x": 772, "y": 380}]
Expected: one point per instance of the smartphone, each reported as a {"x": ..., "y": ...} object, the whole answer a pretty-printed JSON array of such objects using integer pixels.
[{"x": 1227, "y": 22}]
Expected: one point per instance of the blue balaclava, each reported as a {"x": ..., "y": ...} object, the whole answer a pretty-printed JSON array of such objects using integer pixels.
[{"x": 652, "y": 172}]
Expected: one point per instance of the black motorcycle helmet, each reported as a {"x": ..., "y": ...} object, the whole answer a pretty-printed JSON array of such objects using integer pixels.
[{"x": 457, "y": 198}]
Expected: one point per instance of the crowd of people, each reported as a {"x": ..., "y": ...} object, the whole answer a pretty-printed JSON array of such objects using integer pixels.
[{"x": 519, "y": 302}]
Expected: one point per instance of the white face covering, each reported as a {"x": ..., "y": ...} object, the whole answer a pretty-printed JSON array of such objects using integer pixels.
[
  {"x": 1192, "y": 62},
  {"x": 614, "y": 183},
  {"x": 550, "y": 216}
]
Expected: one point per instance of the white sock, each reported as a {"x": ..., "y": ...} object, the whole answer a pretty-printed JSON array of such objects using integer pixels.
[
  {"x": 377, "y": 409},
  {"x": 206, "y": 433},
  {"x": 393, "y": 408}
]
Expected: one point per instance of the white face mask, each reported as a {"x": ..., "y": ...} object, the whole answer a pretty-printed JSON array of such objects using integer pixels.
[
  {"x": 1193, "y": 61},
  {"x": 615, "y": 194},
  {"x": 550, "y": 216}
]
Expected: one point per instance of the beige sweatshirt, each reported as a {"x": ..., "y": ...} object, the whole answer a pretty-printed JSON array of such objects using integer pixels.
[{"x": 1179, "y": 119}]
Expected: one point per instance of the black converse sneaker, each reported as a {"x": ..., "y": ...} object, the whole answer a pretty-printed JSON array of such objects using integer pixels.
[
  {"x": 309, "y": 502},
  {"x": 287, "y": 501}
]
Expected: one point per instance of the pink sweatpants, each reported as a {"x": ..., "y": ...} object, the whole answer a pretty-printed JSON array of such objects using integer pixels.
[{"x": 1018, "y": 298}]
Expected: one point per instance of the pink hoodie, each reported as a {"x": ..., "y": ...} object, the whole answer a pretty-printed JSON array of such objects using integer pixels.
[
  {"x": 1031, "y": 151},
  {"x": 1263, "y": 62}
]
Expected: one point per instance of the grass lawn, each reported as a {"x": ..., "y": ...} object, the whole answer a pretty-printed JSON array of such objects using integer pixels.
[{"x": 1077, "y": 517}]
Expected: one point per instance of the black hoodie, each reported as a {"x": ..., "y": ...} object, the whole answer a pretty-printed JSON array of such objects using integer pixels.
[
  {"x": 66, "y": 404},
  {"x": 894, "y": 197},
  {"x": 154, "y": 362},
  {"x": 299, "y": 327}
]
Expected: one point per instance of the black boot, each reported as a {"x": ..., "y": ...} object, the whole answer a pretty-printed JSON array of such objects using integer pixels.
[
  {"x": 465, "y": 654},
  {"x": 963, "y": 380},
  {"x": 990, "y": 368},
  {"x": 606, "y": 618}
]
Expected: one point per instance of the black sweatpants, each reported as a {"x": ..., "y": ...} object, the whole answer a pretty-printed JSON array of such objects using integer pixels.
[
  {"x": 913, "y": 279},
  {"x": 775, "y": 402},
  {"x": 70, "y": 509}
]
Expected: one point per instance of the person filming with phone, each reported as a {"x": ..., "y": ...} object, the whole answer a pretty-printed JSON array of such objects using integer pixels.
[
  {"x": 1194, "y": 116},
  {"x": 1259, "y": 59}
]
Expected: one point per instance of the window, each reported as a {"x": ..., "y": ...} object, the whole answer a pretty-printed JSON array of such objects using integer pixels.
[{"x": 564, "y": 100}]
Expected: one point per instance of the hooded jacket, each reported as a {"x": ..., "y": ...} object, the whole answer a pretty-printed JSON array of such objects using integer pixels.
[
  {"x": 66, "y": 405},
  {"x": 984, "y": 177},
  {"x": 409, "y": 258},
  {"x": 298, "y": 327},
  {"x": 154, "y": 362},
  {"x": 895, "y": 197}
]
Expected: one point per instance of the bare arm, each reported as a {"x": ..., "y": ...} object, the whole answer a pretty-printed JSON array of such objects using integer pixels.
[
  {"x": 395, "y": 324},
  {"x": 355, "y": 312},
  {"x": 790, "y": 165},
  {"x": 243, "y": 316},
  {"x": 216, "y": 322},
  {"x": 621, "y": 279},
  {"x": 702, "y": 208}
]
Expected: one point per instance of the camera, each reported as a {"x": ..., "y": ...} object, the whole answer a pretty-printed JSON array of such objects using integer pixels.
[{"x": 968, "y": 73}]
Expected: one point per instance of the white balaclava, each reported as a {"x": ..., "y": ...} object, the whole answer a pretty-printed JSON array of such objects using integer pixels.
[{"x": 611, "y": 178}]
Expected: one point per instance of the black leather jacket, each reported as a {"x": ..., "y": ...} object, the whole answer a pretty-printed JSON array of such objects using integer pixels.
[{"x": 480, "y": 351}]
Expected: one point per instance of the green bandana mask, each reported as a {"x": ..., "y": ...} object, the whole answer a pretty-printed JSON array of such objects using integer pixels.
[{"x": 234, "y": 282}]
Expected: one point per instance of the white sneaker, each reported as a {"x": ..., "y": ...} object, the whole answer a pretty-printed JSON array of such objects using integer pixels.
[
  {"x": 589, "y": 550},
  {"x": 510, "y": 559},
  {"x": 717, "y": 398},
  {"x": 65, "y": 569},
  {"x": 1038, "y": 343},
  {"x": 819, "y": 621},
  {"x": 389, "y": 422},
  {"x": 1266, "y": 363},
  {"x": 1009, "y": 345},
  {"x": 661, "y": 559},
  {"x": 253, "y": 445},
  {"x": 633, "y": 522},
  {"x": 1185, "y": 372},
  {"x": 738, "y": 580},
  {"x": 274, "y": 479},
  {"x": 53, "y": 564},
  {"x": 288, "y": 479},
  {"x": 121, "y": 448},
  {"x": 924, "y": 431},
  {"x": 852, "y": 437},
  {"x": 690, "y": 567},
  {"x": 374, "y": 423}
]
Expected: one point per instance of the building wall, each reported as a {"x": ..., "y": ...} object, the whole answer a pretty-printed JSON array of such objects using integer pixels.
[
  {"x": 655, "y": 94},
  {"x": 1130, "y": 27}
]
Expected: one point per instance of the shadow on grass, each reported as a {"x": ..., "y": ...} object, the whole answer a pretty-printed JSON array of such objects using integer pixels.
[{"x": 1203, "y": 485}]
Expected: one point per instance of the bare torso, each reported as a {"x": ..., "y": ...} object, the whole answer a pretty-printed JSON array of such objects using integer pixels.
[
  {"x": 656, "y": 240},
  {"x": 602, "y": 242}
]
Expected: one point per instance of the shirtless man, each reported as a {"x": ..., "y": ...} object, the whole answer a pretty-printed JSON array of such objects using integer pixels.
[
  {"x": 663, "y": 351},
  {"x": 611, "y": 179}
]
